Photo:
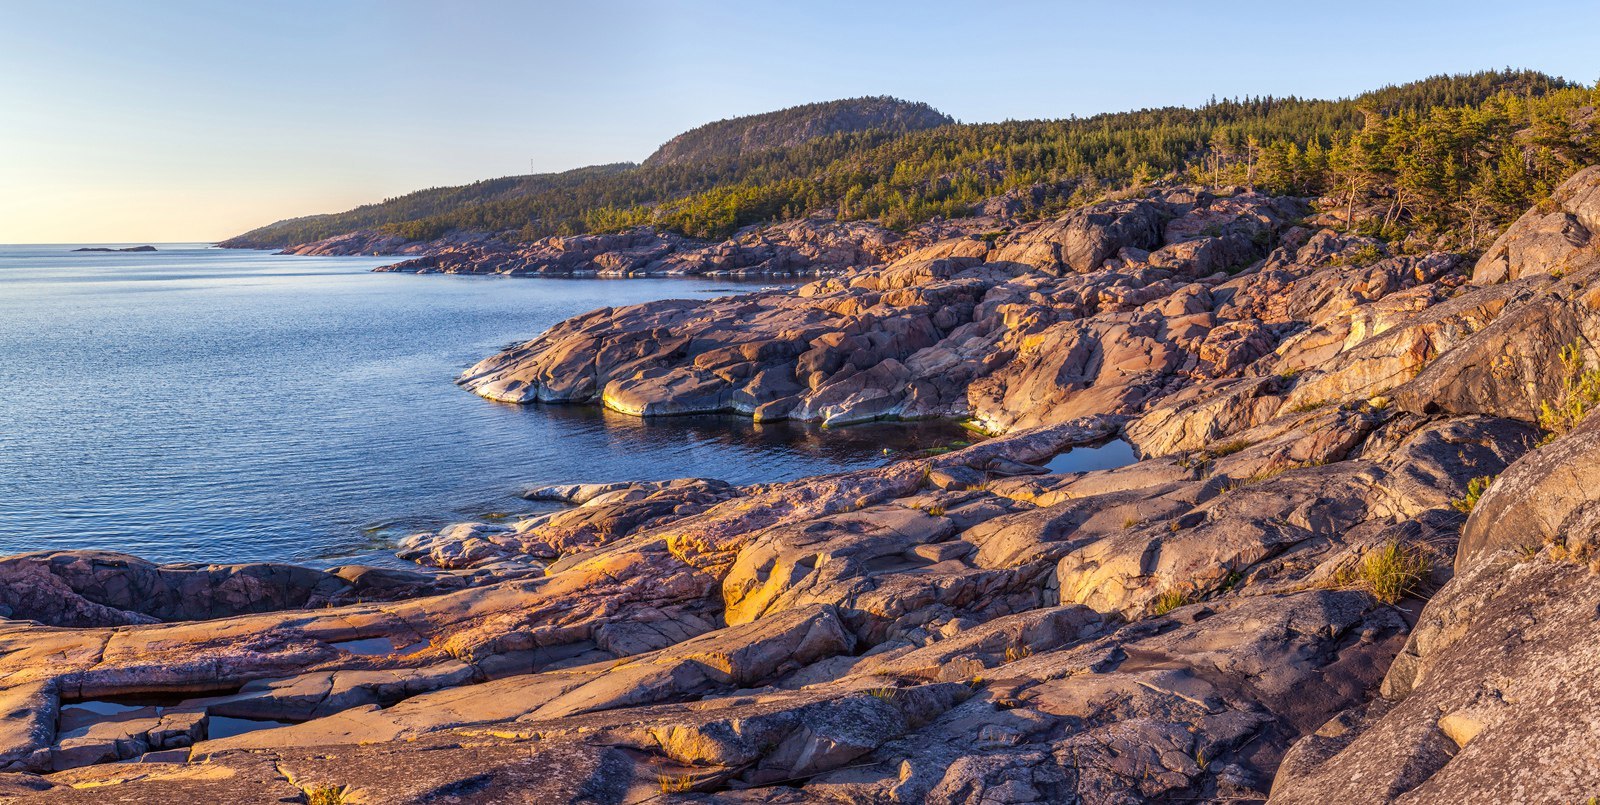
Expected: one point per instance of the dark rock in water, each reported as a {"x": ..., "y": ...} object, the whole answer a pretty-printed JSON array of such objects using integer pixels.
[{"x": 109, "y": 249}]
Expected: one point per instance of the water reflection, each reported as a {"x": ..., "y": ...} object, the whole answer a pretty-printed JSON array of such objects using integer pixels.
[
  {"x": 1106, "y": 456},
  {"x": 776, "y": 445}
]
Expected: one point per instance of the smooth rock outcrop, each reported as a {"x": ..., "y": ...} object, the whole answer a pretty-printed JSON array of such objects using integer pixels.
[
  {"x": 1498, "y": 668},
  {"x": 1547, "y": 239},
  {"x": 1044, "y": 327},
  {"x": 1347, "y": 566}
]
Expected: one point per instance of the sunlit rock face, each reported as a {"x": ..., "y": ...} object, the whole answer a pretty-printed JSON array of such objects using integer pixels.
[{"x": 1264, "y": 598}]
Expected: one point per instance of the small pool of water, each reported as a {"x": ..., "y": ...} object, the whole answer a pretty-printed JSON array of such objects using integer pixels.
[
  {"x": 1108, "y": 456},
  {"x": 78, "y": 717},
  {"x": 367, "y": 646},
  {"x": 101, "y": 708},
  {"x": 76, "y": 720},
  {"x": 225, "y": 727}
]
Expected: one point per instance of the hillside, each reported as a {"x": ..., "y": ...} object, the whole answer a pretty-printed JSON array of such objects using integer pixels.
[
  {"x": 416, "y": 205},
  {"x": 741, "y": 136},
  {"x": 1447, "y": 154}
]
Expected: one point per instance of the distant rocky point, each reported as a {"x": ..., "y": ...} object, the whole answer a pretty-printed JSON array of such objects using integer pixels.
[{"x": 109, "y": 249}]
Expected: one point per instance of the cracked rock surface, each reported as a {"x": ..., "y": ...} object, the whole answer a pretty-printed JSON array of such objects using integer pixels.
[{"x": 1203, "y": 624}]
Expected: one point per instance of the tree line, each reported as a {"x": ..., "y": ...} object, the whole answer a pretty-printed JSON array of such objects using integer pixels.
[{"x": 1450, "y": 156}]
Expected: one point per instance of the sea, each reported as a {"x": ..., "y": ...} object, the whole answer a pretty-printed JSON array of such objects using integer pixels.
[{"x": 197, "y": 404}]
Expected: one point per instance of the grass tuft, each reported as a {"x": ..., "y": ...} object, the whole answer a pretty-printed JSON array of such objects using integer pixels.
[
  {"x": 325, "y": 795},
  {"x": 675, "y": 784},
  {"x": 1475, "y": 489},
  {"x": 1391, "y": 572},
  {"x": 1017, "y": 651},
  {"x": 1171, "y": 599},
  {"x": 1228, "y": 448},
  {"x": 1308, "y": 405}
]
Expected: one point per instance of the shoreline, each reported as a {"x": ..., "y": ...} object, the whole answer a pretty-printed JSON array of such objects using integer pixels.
[{"x": 1347, "y": 519}]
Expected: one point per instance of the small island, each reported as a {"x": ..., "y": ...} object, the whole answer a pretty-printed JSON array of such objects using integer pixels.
[{"x": 109, "y": 249}]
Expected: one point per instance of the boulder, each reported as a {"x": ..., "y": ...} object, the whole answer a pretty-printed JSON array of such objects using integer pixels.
[
  {"x": 98, "y": 588},
  {"x": 1491, "y": 672},
  {"x": 1547, "y": 239}
]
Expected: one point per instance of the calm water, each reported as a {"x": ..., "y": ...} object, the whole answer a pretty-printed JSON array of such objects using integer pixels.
[{"x": 199, "y": 404}]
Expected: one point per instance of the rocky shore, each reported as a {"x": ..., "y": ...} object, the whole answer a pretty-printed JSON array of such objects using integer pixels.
[
  {"x": 807, "y": 247},
  {"x": 1355, "y": 562}
]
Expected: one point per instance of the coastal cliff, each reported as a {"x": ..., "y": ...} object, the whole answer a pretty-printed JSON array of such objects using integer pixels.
[{"x": 1355, "y": 560}]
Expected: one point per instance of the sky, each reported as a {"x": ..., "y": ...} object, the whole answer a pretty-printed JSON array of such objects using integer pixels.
[{"x": 169, "y": 120}]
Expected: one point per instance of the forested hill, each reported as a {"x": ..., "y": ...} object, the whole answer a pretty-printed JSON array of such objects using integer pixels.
[
  {"x": 1446, "y": 154},
  {"x": 419, "y": 205},
  {"x": 740, "y": 136}
]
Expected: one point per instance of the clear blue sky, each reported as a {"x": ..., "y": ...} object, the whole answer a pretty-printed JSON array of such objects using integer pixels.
[{"x": 171, "y": 120}]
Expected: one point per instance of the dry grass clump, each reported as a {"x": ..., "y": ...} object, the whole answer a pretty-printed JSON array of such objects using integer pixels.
[
  {"x": 1581, "y": 553},
  {"x": 325, "y": 795},
  {"x": 1228, "y": 448},
  {"x": 1390, "y": 572},
  {"x": 1308, "y": 406},
  {"x": 1017, "y": 651},
  {"x": 675, "y": 784},
  {"x": 1169, "y": 600}
]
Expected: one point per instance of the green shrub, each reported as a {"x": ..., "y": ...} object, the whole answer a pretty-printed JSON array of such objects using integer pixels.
[
  {"x": 1580, "y": 393},
  {"x": 1364, "y": 256},
  {"x": 1475, "y": 489}
]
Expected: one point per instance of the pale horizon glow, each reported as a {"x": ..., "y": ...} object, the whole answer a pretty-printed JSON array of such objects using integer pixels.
[{"x": 189, "y": 121}]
